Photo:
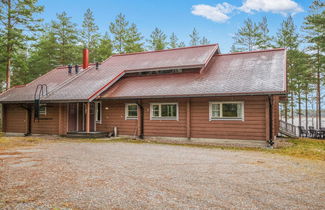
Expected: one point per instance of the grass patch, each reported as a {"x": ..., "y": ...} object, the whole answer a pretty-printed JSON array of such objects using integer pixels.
[
  {"x": 303, "y": 148},
  {"x": 11, "y": 142}
]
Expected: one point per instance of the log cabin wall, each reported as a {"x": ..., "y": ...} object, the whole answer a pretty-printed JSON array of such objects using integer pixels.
[{"x": 253, "y": 127}]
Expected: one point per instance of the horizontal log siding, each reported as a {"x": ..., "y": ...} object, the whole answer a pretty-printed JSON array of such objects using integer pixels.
[
  {"x": 252, "y": 128},
  {"x": 165, "y": 128},
  {"x": 113, "y": 114},
  {"x": 15, "y": 118},
  {"x": 49, "y": 125}
]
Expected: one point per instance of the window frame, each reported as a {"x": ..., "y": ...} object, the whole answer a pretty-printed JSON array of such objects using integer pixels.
[
  {"x": 241, "y": 118},
  {"x": 96, "y": 112},
  {"x": 45, "y": 109},
  {"x": 127, "y": 112},
  {"x": 164, "y": 118}
]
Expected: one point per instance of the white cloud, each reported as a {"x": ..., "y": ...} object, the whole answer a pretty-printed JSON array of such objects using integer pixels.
[
  {"x": 217, "y": 13},
  {"x": 220, "y": 12},
  {"x": 283, "y": 7}
]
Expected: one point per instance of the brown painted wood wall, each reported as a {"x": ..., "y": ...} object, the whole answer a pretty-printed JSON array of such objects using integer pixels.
[
  {"x": 15, "y": 118},
  {"x": 49, "y": 123},
  {"x": 254, "y": 126}
]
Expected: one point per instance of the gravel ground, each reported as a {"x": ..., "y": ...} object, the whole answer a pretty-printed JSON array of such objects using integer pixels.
[{"x": 152, "y": 176}]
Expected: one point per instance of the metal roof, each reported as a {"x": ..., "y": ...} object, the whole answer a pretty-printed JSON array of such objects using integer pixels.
[
  {"x": 88, "y": 84},
  {"x": 258, "y": 72},
  {"x": 253, "y": 72}
]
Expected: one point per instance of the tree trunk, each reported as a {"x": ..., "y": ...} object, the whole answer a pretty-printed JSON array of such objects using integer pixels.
[
  {"x": 9, "y": 48},
  {"x": 306, "y": 109},
  {"x": 299, "y": 107},
  {"x": 292, "y": 109},
  {"x": 319, "y": 107}
]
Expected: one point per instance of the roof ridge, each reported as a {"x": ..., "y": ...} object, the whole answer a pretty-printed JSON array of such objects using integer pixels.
[
  {"x": 65, "y": 82},
  {"x": 255, "y": 51},
  {"x": 154, "y": 51}
]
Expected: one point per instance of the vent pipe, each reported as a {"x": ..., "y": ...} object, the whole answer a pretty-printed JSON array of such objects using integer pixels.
[
  {"x": 97, "y": 65},
  {"x": 76, "y": 68},
  {"x": 85, "y": 58},
  {"x": 69, "y": 69}
]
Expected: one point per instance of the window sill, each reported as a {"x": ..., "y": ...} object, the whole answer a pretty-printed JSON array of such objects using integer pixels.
[
  {"x": 227, "y": 119},
  {"x": 164, "y": 118},
  {"x": 131, "y": 118}
]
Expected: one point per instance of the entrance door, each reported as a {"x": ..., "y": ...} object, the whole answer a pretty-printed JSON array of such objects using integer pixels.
[{"x": 72, "y": 114}]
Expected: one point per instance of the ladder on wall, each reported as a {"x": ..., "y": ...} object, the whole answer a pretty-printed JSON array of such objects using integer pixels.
[{"x": 41, "y": 90}]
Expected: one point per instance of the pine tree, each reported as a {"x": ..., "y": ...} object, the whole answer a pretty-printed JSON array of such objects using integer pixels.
[
  {"x": 287, "y": 37},
  {"x": 173, "y": 41},
  {"x": 65, "y": 33},
  {"x": 90, "y": 35},
  {"x": 314, "y": 26},
  {"x": 157, "y": 40},
  {"x": 248, "y": 36},
  {"x": 194, "y": 38},
  {"x": 119, "y": 30},
  {"x": 182, "y": 44},
  {"x": 204, "y": 41},
  {"x": 44, "y": 55},
  {"x": 133, "y": 40},
  {"x": 105, "y": 48},
  {"x": 264, "y": 40},
  {"x": 19, "y": 25}
]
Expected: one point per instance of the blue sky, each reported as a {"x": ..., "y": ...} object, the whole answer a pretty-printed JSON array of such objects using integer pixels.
[{"x": 216, "y": 20}]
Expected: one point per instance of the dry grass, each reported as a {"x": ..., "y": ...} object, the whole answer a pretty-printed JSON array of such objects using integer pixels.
[
  {"x": 11, "y": 142},
  {"x": 303, "y": 148}
]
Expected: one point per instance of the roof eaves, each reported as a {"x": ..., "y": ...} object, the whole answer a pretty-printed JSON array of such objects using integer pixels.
[{"x": 200, "y": 95}]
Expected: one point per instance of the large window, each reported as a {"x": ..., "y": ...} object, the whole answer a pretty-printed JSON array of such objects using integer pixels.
[
  {"x": 98, "y": 112},
  {"x": 131, "y": 111},
  {"x": 226, "y": 111},
  {"x": 164, "y": 111}
]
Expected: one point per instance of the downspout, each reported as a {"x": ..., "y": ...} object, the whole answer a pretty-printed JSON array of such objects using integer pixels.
[
  {"x": 141, "y": 136},
  {"x": 270, "y": 141}
]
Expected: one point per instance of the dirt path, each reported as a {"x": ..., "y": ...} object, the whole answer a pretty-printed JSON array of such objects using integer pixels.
[{"x": 126, "y": 175}]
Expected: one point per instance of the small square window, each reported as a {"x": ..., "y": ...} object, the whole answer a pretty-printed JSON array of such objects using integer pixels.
[
  {"x": 131, "y": 111},
  {"x": 42, "y": 109}
]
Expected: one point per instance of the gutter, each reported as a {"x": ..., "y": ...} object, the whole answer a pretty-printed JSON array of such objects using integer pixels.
[{"x": 270, "y": 141}]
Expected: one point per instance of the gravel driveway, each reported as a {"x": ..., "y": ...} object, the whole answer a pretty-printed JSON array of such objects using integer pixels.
[{"x": 152, "y": 176}]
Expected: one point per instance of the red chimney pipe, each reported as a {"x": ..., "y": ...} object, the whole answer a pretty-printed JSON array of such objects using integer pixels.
[{"x": 85, "y": 58}]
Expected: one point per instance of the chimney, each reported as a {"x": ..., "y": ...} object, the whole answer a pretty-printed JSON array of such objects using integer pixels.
[
  {"x": 69, "y": 69},
  {"x": 76, "y": 68},
  {"x": 97, "y": 65},
  {"x": 85, "y": 58}
]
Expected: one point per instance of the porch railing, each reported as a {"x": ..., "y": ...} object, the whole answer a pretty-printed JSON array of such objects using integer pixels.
[{"x": 288, "y": 129}]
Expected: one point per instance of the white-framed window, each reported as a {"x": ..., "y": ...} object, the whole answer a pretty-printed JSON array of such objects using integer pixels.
[
  {"x": 226, "y": 110},
  {"x": 98, "y": 112},
  {"x": 164, "y": 111},
  {"x": 131, "y": 111},
  {"x": 42, "y": 109}
]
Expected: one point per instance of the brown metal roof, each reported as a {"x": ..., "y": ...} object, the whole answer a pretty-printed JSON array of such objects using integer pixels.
[
  {"x": 252, "y": 72},
  {"x": 259, "y": 72}
]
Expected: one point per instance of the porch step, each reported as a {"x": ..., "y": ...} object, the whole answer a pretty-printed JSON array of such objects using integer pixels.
[{"x": 87, "y": 135}]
